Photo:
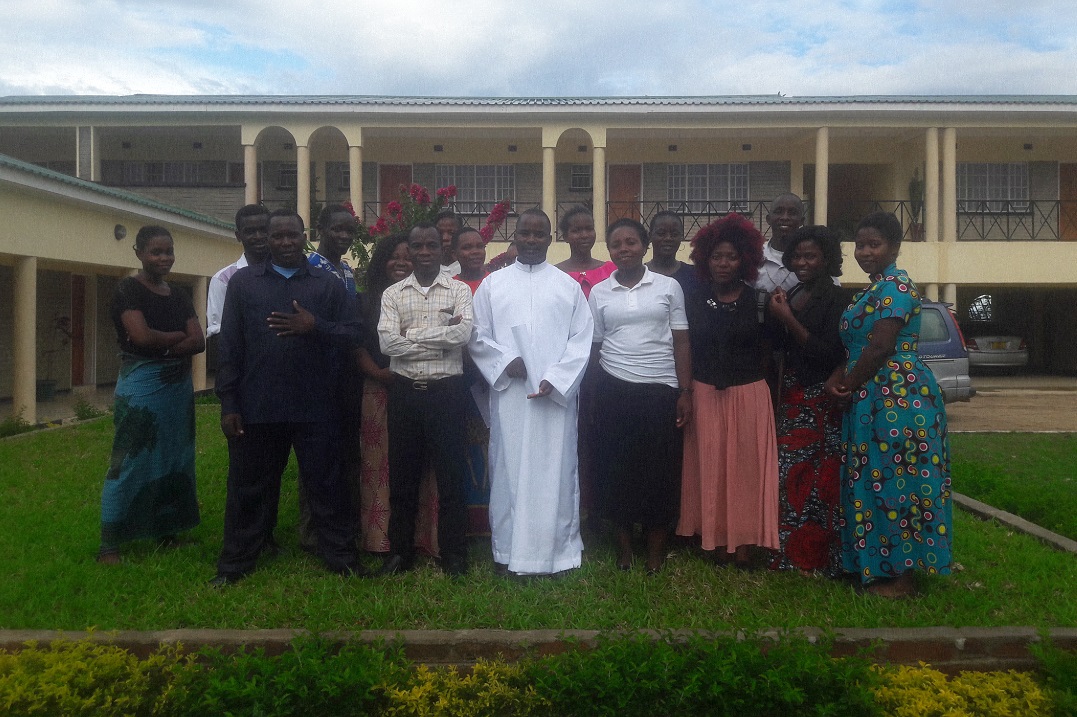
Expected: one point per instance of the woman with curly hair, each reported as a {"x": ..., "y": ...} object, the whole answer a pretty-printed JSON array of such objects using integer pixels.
[
  {"x": 729, "y": 493},
  {"x": 809, "y": 421}
]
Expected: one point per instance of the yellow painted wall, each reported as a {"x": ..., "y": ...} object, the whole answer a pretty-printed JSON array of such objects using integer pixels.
[{"x": 63, "y": 233}]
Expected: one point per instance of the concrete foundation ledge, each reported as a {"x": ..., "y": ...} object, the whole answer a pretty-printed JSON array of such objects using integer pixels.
[
  {"x": 945, "y": 648},
  {"x": 1015, "y": 522}
]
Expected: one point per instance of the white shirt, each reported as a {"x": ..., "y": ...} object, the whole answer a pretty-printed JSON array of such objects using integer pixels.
[
  {"x": 218, "y": 287},
  {"x": 636, "y": 325},
  {"x": 772, "y": 273}
]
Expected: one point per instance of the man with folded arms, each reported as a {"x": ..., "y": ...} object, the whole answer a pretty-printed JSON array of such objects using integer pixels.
[{"x": 425, "y": 323}]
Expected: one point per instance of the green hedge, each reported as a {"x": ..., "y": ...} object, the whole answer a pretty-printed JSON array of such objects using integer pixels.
[{"x": 622, "y": 676}]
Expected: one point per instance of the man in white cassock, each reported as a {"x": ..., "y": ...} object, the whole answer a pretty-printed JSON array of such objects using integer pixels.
[{"x": 532, "y": 339}]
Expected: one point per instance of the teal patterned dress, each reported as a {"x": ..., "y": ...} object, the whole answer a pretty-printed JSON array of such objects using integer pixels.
[{"x": 896, "y": 513}]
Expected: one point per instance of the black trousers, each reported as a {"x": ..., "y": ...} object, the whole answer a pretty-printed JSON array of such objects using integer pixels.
[
  {"x": 428, "y": 426},
  {"x": 256, "y": 461}
]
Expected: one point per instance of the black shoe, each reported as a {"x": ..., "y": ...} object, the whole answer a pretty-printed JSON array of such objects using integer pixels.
[
  {"x": 223, "y": 580},
  {"x": 454, "y": 568},
  {"x": 350, "y": 570},
  {"x": 394, "y": 565}
]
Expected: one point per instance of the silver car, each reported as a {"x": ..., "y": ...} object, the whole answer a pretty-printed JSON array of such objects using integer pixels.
[
  {"x": 994, "y": 347},
  {"x": 942, "y": 348}
]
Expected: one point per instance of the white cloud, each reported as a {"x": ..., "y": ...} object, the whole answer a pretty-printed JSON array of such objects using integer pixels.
[{"x": 476, "y": 47}]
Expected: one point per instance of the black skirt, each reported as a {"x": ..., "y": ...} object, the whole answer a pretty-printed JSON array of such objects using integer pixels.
[{"x": 638, "y": 451}]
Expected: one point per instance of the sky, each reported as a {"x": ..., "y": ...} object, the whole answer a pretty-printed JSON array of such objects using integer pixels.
[{"x": 549, "y": 48}]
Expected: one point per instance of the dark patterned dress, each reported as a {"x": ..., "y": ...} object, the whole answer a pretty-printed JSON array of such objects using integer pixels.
[
  {"x": 896, "y": 513},
  {"x": 809, "y": 437},
  {"x": 149, "y": 489}
]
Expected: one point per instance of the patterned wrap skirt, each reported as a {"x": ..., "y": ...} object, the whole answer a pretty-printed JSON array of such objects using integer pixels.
[{"x": 149, "y": 489}]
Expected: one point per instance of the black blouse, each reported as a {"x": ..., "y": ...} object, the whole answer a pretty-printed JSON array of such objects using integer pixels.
[
  {"x": 814, "y": 361},
  {"x": 370, "y": 309},
  {"x": 162, "y": 313},
  {"x": 730, "y": 345}
]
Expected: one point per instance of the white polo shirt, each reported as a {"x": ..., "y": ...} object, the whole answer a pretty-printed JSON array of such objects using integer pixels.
[{"x": 635, "y": 326}]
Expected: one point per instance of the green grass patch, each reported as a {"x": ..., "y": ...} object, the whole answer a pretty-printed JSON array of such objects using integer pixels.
[
  {"x": 1031, "y": 475},
  {"x": 50, "y": 487}
]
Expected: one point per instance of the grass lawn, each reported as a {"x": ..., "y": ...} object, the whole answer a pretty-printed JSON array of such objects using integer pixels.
[
  {"x": 1032, "y": 475},
  {"x": 50, "y": 485}
]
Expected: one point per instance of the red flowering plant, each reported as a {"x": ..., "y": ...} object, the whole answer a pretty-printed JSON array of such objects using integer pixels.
[
  {"x": 494, "y": 221},
  {"x": 415, "y": 206}
]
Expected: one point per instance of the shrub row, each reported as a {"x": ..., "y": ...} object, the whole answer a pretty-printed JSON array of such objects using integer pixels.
[{"x": 621, "y": 676}]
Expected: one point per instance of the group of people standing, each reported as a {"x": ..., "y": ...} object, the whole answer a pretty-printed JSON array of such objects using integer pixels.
[{"x": 740, "y": 400}]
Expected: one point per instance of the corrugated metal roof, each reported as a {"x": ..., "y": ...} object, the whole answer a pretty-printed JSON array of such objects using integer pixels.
[
  {"x": 35, "y": 170},
  {"x": 651, "y": 101}
]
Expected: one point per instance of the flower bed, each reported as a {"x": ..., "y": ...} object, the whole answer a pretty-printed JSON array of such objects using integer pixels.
[{"x": 623, "y": 676}]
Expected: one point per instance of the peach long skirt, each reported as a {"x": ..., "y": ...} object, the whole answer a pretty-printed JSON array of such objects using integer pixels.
[{"x": 729, "y": 486}]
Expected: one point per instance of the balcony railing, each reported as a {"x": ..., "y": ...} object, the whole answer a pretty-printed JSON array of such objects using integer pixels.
[
  {"x": 695, "y": 215},
  {"x": 1032, "y": 220}
]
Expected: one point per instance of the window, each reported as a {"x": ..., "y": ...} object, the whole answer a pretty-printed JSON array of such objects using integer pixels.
[
  {"x": 287, "y": 178},
  {"x": 932, "y": 326},
  {"x": 478, "y": 186},
  {"x": 708, "y": 188},
  {"x": 236, "y": 173},
  {"x": 169, "y": 174},
  {"x": 992, "y": 187},
  {"x": 61, "y": 166},
  {"x": 581, "y": 178},
  {"x": 345, "y": 180}
]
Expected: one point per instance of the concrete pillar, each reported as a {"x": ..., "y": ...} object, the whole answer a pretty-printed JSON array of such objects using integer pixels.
[
  {"x": 822, "y": 174},
  {"x": 302, "y": 182},
  {"x": 796, "y": 178},
  {"x": 949, "y": 294},
  {"x": 91, "y": 331},
  {"x": 198, "y": 361},
  {"x": 250, "y": 174},
  {"x": 549, "y": 182},
  {"x": 931, "y": 291},
  {"x": 949, "y": 184},
  {"x": 355, "y": 180},
  {"x": 598, "y": 195},
  {"x": 931, "y": 185},
  {"x": 24, "y": 340}
]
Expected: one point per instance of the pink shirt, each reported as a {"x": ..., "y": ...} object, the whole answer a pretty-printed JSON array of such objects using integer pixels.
[{"x": 590, "y": 278}]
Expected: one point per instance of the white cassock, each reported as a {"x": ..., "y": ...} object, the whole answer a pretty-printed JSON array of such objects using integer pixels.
[{"x": 538, "y": 313}]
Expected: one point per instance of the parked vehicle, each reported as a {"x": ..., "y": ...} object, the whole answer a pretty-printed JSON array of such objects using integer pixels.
[
  {"x": 991, "y": 346},
  {"x": 942, "y": 348}
]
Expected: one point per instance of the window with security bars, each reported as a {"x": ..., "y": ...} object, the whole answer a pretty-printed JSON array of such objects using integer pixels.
[
  {"x": 478, "y": 186},
  {"x": 581, "y": 178},
  {"x": 992, "y": 187},
  {"x": 167, "y": 174},
  {"x": 707, "y": 188}
]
